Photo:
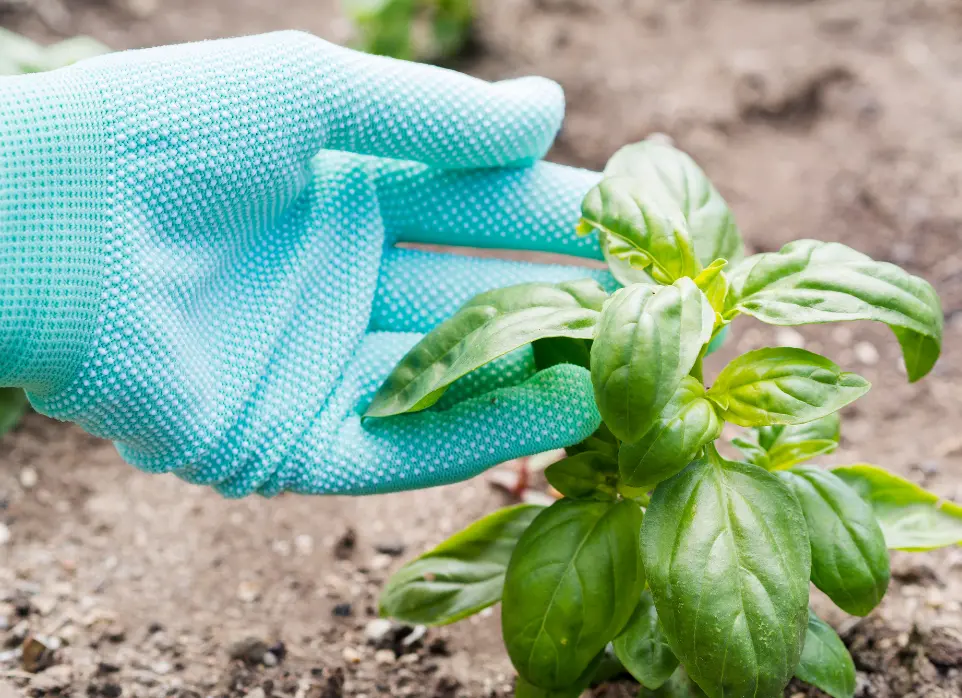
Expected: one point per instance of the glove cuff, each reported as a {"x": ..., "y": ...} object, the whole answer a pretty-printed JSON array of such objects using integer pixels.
[{"x": 54, "y": 208}]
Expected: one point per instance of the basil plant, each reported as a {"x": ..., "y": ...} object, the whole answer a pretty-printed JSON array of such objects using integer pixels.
[{"x": 689, "y": 569}]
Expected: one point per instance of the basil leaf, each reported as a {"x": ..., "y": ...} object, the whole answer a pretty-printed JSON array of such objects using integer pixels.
[
  {"x": 588, "y": 475},
  {"x": 783, "y": 385},
  {"x": 650, "y": 235},
  {"x": 911, "y": 517},
  {"x": 662, "y": 169},
  {"x": 679, "y": 685},
  {"x": 850, "y": 562},
  {"x": 573, "y": 581},
  {"x": 808, "y": 281},
  {"x": 523, "y": 689},
  {"x": 826, "y": 663},
  {"x": 728, "y": 562},
  {"x": 488, "y": 326},
  {"x": 714, "y": 284},
  {"x": 685, "y": 425},
  {"x": 602, "y": 441},
  {"x": 13, "y": 405},
  {"x": 553, "y": 351},
  {"x": 781, "y": 447},
  {"x": 649, "y": 338},
  {"x": 643, "y": 648},
  {"x": 460, "y": 577}
]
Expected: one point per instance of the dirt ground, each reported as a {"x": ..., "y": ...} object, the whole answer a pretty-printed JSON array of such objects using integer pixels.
[{"x": 829, "y": 119}]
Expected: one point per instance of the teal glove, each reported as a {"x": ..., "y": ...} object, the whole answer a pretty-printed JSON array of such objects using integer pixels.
[{"x": 199, "y": 259}]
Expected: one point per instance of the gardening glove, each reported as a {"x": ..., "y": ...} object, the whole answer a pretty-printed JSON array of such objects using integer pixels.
[{"x": 198, "y": 248}]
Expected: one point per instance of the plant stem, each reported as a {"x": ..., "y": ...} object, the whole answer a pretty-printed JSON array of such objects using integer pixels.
[{"x": 697, "y": 371}]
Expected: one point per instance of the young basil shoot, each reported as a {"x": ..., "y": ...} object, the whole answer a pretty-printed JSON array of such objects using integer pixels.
[{"x": 662, "y": 556}]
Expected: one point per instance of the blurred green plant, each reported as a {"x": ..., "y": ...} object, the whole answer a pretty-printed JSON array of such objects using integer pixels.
[
  {"x": 415, "y": 30},
  {"x": 19, "y": 55}
]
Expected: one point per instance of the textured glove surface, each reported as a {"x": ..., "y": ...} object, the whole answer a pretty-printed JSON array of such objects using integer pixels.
[{"x": 199, "y": 260}]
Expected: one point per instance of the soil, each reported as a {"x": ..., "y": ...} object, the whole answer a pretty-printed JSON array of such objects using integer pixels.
[{"x": 836, "y": 120}]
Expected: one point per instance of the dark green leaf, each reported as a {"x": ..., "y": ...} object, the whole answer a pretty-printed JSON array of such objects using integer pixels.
[
  {"x": 523, "y": 689},
  {"x": 780, "y": 447},
  {"x": 662, "y": 170},
  {"x": 13, "y": 405},
  {"x": 728, "y": 562},
  {"x": 588, "y": 475},
  {"x": 602, "y": 441},
  {"x": 490, "y": 325},
  {"x": 850, "y": 562},
  {"x": 573, "y": 581},
  {"x": 561, "y": 350},
  {"x": 685, "y": 425},
  {"x": 648, "y": 340},
  {"x": 648, "y": 233},
  {"x": 826, "y": 663},
  {"x": 911, "y": 517},
  {"x": 643, "y": 648},
  {"x": 811, "y": 282},
  {"x": 462, "y": 575},
  {"x": 782, "y": 385}
]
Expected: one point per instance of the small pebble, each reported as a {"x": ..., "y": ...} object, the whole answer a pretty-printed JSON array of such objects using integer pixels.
[
  {"x": 380, "y": 562},
  {"x": 269, "y": 659},
  {"x": 28, "y": 478},
  {"x": 248, "y": 592},
  {"x": 351, "y": 655},
  {"x": 304, "y": 544},
  {"x": 342, "y": 610},
  {"x": 393, "y": 549},
  {"x": 256, "y": 692},
  {"x": 377, "y": 630},
  {"x": 250, "y": 650},
  {"x": 866, "y": 353},
  {"x": 385, "y": 657},
  {"x": 161, "y": 668},
  {"x": 4, "y": 534}
]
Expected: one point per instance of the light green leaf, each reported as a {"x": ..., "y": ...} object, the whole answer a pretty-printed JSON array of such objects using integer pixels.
[
  {"x": 650, "y": 234},
  {"x": 13, "y": 405},
  {"x": 490, "y": 325},
  {"x": 648, "y": 340},
  {"x": 728, "y": 562},
  {"x": 572, "y": 584},
  {"x": 664, "y": 171},
  {"x": 808, "y": 281},
  {"x": 850, "y": 562},
  {"x": 460, "y": 577},
  {"x": 911, "y": 517},
  {"x": 826, "y": 663},
  {"x": 714, "y": 284},
  {"x": 781, "y": 447},
  {"x": 783, "y": 385},
  {"x": 643, "y": 648},
  {"x": 588, "y": 475},
  {"x": 685, "y": 425}
]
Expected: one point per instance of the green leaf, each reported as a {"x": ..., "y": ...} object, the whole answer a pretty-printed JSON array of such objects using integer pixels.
[
  {"x": 572, "y": 584},
  {"x": 460, "y": 577},
  {"x": 490, "y": 325},
  {"x": 812, "y": 282},
  {"x": 523, "y": 689},
  {"x": 783, "y": 385},
  {"x": 649, "y": 339},
  {"x": 679, "y": 685},
  {"x": 728, "y": 562},
  {"x": 588, "y": 475},
  {"x": 850, "y": 562},
  {"x": 663, "y": 170},
  {"x": 911, "y": 517},
  {"x": 650, "y": 234},
  {"x": 13, "y": 405},
  {"x": 685, "y": 425},
  {"x": 714, "y": 284},
  {"x": 602, "y": 441},
  {"x": 826, "y": 663},
  {"x": 781, "y": 447},
  {"x": 643, "y": 648}
]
